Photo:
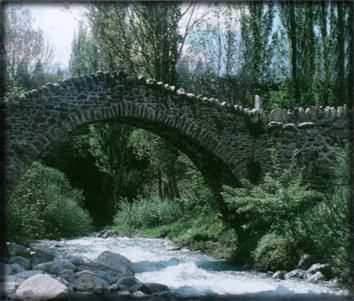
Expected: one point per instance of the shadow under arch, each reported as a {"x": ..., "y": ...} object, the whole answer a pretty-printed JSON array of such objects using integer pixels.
[{"x": 198, "y": 144}]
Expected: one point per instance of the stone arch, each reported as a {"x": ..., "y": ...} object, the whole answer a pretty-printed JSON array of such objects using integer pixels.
[
  {"x": 222, "y": 139},
  {"x": 44, "y": 117}
]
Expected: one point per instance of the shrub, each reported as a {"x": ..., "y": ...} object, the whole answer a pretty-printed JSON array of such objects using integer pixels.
[
  {"x": 273, "y": 206},
  {"x": 274, "y": 252},
  {"x": 44, "y": 205},
  {"x": 326, "y": 228},
  {"x": 147, "y": 213}
]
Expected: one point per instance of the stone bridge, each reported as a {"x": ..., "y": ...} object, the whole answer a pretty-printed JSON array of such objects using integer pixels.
[{"x": 226, "y": 142}]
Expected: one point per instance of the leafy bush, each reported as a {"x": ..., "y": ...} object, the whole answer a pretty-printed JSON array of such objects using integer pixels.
[
  {"x": 272, "y": 206},
  {"x": 274, "y": 252},
  {"x": 283, "y": 206},
  {"x": 326, "y": 228},
  {"x": 44, "y": 205},
  {"x": 147, "y": 213}
]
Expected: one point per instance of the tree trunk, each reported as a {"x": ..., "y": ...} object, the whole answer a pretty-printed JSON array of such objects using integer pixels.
[
  {"x": 350, "y": 54},
  {"x": 325, "y": 59},
  {"x": 3, "y": 247},
  {"x": 293, "y": 53},
  {"x": 340, "y": 80},
  {"x": 159, "y": 183}
]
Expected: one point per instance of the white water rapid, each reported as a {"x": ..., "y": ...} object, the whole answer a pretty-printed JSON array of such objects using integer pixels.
[{"x": 187, "y": 273}]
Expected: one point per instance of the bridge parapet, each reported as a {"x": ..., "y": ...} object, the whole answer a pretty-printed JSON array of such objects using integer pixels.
[
  {"x": 299, "y": 116},
  {"x": 221, "y": 138}
]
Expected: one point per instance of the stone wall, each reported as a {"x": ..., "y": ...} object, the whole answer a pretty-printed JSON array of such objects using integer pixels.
[{"x": 223, "y": 140}]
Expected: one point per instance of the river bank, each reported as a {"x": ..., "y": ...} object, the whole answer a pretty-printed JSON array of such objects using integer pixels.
[{"x": 221, "y": 246}]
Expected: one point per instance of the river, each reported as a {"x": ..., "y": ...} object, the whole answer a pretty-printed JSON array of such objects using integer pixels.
[{"x": 186, "y": 272}]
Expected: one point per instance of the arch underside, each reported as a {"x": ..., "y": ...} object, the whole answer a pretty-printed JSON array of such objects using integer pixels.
[{"x": 215, "y": 171}]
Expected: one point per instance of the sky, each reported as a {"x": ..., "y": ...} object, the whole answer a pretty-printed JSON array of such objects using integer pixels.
[{"x": 59, "y": 23}]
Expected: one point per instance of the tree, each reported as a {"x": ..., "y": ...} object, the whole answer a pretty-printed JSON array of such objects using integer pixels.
[
  {"x": 340, "y": 49},
  {"x": 38, "y": 75},
  {"x": 24, "y": 46},
  {"x": 84, "y": 54},
  {"x": 325, "y": 59},
  {"x": 256, "y": 28},
  {"x": 288, "y": 16},
  {"x": 109, "y": 145},
  {"x": 150, "y": 45},
  {"x": 350, "y": 54}
]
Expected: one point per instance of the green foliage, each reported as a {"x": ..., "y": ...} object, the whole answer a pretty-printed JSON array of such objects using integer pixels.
[
  {"x": 274, "y": 252},
  {"x": 206, "y": 231},
  {"x": 278, "y": 98},
  {"x": 195, "y": 193},
  {"x": 275, "y": 204},
  {"x": 84, "y": 58},
  {"x": 146, "y": 213},
  {"x": 44, "y": 205},
  {"x": 286, "y": 218},
  {"x": 325, "y": 230}
]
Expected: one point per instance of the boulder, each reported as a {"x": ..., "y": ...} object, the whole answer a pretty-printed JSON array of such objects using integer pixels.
[
  {"x": 59, "y": 265},
  {"x": 174, "y": 248},
  {"x": 153, "y": 288},
  {"x": 67, "y": 275},
  {"x": 315, "y": 278},
  {"x": 109, "y": 276},
  {"x": 123, "y": 293},
  {"x": 305, "y": 262},
  {"x": 116, "y": 262},
  {"x": 40, "y": 287},
  {"x": 131, "y": 284},
  {"x": 106, "y": 234},
  {"x": 325, "y": 269},
  {"x": 298, "y": 273},
  {"x": 55, "y": 267},
  {"x": 27, "y": 274},
  {"x": 101, "y": 271},
  {"x": 76, "y": 260},
  {"x": 24, "y": 262},
  {"x": 12, "y": 278},
  {"x": 41, "y": 256},
  {"x": 44, "y": 267},
  {"x": 6, "y": 269},
  {"x": 16, "y": 279},
  {"x": 15, "y": 249},
  {"x": 88, "y": 281},
  {"x": 16, "y": 268},
  {"x": 279, "y": 275},
  {"x": 8, "y": 288},
  {"x": 138, "y": 294}
]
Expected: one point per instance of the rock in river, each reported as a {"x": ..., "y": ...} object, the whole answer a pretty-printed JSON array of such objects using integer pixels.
[
  {"x": 40, "y": 287},
  {"x": 325, "y": 269},
  {"x": 88, "y": 281},
  {"x": 315, "y": 278},
  {"x": 55, "y": 267},
  {"x": 116, "y": 262},
  {"x": 298, "y": 273},
  {"x": 24, "y": 262},
  {"x": 305, "y": 262},
  {"x": 153, "y": 288}
]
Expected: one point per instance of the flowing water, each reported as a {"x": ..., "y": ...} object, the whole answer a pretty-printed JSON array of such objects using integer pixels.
[{"x": 187, "y": 273}]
